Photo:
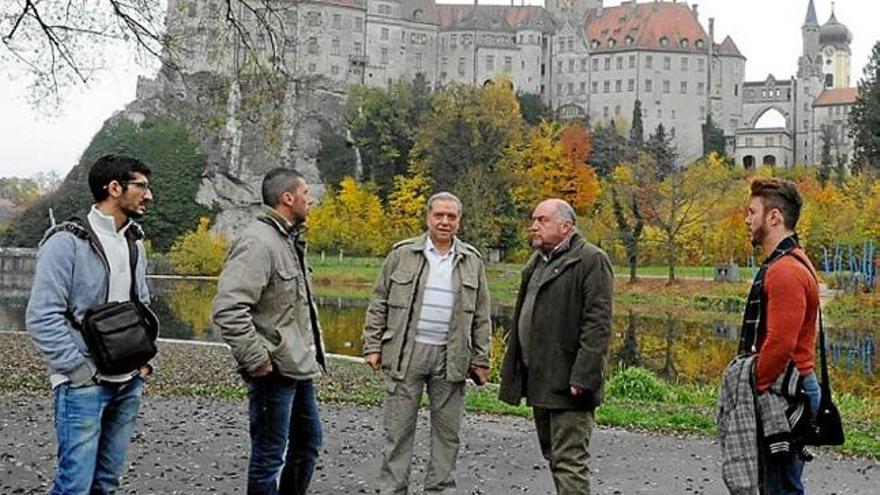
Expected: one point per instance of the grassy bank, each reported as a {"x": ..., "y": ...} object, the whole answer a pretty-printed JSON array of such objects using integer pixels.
[{"x": 636, "y": 398}]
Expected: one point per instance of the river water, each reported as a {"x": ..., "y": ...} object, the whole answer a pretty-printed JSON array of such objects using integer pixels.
[{"x": 679, "y": 349}]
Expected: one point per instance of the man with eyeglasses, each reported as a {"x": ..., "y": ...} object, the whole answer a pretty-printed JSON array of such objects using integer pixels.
[
  {"x": 265, "y": 311},
  {"x": 82, "y": 264}
]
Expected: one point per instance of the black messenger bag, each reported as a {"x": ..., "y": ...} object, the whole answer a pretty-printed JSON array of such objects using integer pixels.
[{"x": 121, "y": 336}]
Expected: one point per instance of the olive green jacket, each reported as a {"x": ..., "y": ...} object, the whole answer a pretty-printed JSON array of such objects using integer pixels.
[
  {"x": 264, "y": 308},
  {"x": 396, "y": 304}
]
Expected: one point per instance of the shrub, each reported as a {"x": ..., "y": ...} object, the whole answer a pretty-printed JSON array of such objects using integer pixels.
[
  {"x": 199, "y": 252},
  {"x": 635, "y": 383}
]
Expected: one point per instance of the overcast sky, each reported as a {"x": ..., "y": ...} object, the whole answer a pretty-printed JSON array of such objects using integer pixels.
[{"x": 766, "y": 31}]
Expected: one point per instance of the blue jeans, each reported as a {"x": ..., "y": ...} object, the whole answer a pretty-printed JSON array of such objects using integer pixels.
[
  {"x": 285, "y": 433},
  {"x": 785, "y": 479},
  {"x": 94, "y": 425}
]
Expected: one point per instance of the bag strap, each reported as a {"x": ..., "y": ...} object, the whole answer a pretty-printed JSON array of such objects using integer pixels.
[{"x": 132, "y": 262}]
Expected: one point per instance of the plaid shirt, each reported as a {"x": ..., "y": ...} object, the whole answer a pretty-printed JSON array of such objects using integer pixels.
[
  {"x": 737, "y": 424},
  {"x": 784, "y": 416}
]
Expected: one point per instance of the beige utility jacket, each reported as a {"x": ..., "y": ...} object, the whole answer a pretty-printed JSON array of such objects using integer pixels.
[
  {"x": 396, "y": 303},
  {"x": 264, "y": 308}
]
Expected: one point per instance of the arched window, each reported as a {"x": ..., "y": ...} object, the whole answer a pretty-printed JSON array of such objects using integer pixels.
[
  {"x": 769, "y": 160},
  {"x": 684, "y": 43},
  {"x": 749, "y": 162},
  {"x": 611, "y": 42},
  {"x": 664, "y": 41},
  {"x": 829, "y": 80}
]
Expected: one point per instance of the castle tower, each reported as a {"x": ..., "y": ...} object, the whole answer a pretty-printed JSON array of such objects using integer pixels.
[
  {"x": 809, "y": 64},
  {"x": 834, "y": 42},
  {"x": 573, "y": 10}
]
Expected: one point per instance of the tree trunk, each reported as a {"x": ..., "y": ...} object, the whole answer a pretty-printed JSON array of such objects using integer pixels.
[{"x": 670, "y": 258}]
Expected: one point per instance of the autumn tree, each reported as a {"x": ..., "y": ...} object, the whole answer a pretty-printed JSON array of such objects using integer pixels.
[
  {"x": 624, "y": 188},
  {"x": 681, "y": 200},
  {"x": 199, "y": 252},
  {"x": 406, "y": 205},
  {"x": 864, "y": 118},
  {"x": 350, "y": 220}
]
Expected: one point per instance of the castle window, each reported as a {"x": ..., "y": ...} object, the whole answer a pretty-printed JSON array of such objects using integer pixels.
[
  {"x": 595, "y": 44},
  {"x": 701, "y": 88},
  {"x": 595, "y": 87},
  {"x": 699, "y": 44},
  {"x": 666, "y": 87},
  {"x": 701, "y": 65},
  {"x": 649, "y": 62},
  {"x": 559, "y": 89},
  {"x": 630, "y": 40},
  {"x": 606, "y": 87},
  {"x": 618, "y": 86},
  {"x": 508, "y": 64},
  {"x": 619, "y": 63},
  {"x": 607, "y": 63},
  {"x": 683, "y": 43},
  {"x": 583, "y": 65},
  {"x": 684, "y": 87},
  {"x": 571, "y": 88},
  {"x": 313, "y": 46},
  {"x": 384, "y": 55},
  {"x": 632, "y": 61},
  {"x": 385, "y": 33},
  {"x": 335, "y": 46},
  {"x": 595, "y": 64},
  {"x": 664, "y": 41},
  {"x": 583, "y": 87},
  {"x": 612, "y": 42},
  {"x": 358, "y": 24},
  {"x": 559, "y": 66},
  {"x": 571, "y": 44},
  {"x": 667, "y": 63},
  {"x": 684, "y": 64},
  {"x": 337, "y": 21},
  {"x": 571, "y": 65},
  {"x": 631, "y": 85},
  {"x": 460, "y": 66},
  {"x": 490, "y": 63},
  {"x": 418, "y": 58},
  {"x": 649, "y": 85}
]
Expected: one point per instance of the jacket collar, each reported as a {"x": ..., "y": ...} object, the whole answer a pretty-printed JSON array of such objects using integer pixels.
[
  {"x": 421, "y": 242},
  {"x": 281, "y": 224}
]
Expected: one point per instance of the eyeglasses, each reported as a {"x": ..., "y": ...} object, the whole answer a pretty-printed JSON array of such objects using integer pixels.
[{"x": 142, "y": 185}]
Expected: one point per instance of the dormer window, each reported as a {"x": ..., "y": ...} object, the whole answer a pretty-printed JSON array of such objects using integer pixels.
[
  {"x": 630, "y": 40},
  {"x": 595, "y": 44},
  {"x": 612, "y": 42},
  {"x": 664, "y": 41},
  {"x": 683, "y": 43},
  {"x": 699, "y": 44}
]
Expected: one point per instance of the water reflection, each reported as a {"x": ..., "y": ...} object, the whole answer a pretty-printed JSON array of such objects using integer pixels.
[{"x": 684, "y": 350}]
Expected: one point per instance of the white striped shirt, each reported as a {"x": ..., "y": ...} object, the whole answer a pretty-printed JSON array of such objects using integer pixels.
[{"x": 438, "y": 298}]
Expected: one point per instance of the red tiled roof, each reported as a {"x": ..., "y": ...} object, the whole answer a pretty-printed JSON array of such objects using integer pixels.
[
  {"x": 646, "y": 23},
  {"x": 839, "y": 96}
]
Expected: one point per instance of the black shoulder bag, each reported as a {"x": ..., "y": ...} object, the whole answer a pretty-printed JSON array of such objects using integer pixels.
[
  {"x": 828, "y": 428},
  {"x": 121, "y": 336}
]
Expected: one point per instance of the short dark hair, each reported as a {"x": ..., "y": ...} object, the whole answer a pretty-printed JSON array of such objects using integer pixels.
[
  {"x": 111, "y": 168},
  {"x": 782, "y": 195},
  {"x": 276, "y": 182}
]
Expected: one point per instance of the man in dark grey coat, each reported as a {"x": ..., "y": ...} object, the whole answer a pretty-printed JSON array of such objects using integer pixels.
[{"x": 558, "y": 341}]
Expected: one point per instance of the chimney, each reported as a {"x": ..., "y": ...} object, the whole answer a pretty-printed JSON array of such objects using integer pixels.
[
  {"x": 696, "y": 8},
  {"x": 711, "y": 30}
]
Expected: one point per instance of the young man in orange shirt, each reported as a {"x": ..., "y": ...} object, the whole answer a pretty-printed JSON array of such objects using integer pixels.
[{"x": 789, "y": 302}]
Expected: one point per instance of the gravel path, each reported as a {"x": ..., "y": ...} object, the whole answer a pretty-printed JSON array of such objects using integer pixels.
[{"x": 190, "y": 446}]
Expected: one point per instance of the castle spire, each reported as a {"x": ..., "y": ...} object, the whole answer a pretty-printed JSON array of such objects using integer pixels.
[{"x": 811, "y": 19}]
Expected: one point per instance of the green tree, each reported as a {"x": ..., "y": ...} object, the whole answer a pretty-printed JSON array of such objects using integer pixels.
[
  {"x": 200, "y": 251},
  {"x": 21, "y": 191},
  {"x": 533, "y": 108},
  {"x": 864, "y": 118},
  {"x": 713, "y": 138},
  {"x": 336, "y": 158},
  {"x": 609, "y": 149},
  {"x": 637, "y": 131},
  {"x": 171, "y": 152},
  {"x": 661, "y": 148}
]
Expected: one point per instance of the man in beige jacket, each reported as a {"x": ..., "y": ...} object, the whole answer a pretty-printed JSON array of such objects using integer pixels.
[
  {"x": 428, "y": 324},
  {"x": 264, "y": 310}
]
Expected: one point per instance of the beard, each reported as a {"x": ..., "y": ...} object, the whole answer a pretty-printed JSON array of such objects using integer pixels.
[
  {"x": 134, "y": 212},
  {"x": 759, "y": 235}
]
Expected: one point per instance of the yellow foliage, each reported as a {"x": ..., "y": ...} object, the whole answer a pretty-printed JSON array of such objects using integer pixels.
[
  {"x": 199, "y": 252},
  {"x": 406, "y": 205},
  {"x": 350, "y": 220}
]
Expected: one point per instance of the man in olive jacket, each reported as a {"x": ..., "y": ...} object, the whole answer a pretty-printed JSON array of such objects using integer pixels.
[
  {"x": 264, "y": 310},
  {"x": 558, "y": 341},
  {"x": 428, "y": 324}
]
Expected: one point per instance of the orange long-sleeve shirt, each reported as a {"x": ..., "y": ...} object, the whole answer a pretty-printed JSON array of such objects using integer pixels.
[{"x": 792, "y": 296}]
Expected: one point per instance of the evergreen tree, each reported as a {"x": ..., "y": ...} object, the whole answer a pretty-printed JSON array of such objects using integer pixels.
[
  {"x": 864, "y": 117},
  {"x": 713, "y": 138},
  {"x": 533, "y": 109},
  {"x": 637, "y": 131},
  {"x": 662, "y": 150},
  {"x": 336, "y": 159},
  {"x": 825, "y": 160},
  {"x": 609, "y": 149}
]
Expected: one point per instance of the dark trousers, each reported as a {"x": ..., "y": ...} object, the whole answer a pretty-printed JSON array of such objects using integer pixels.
[{"x": 285, "y": 435}]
